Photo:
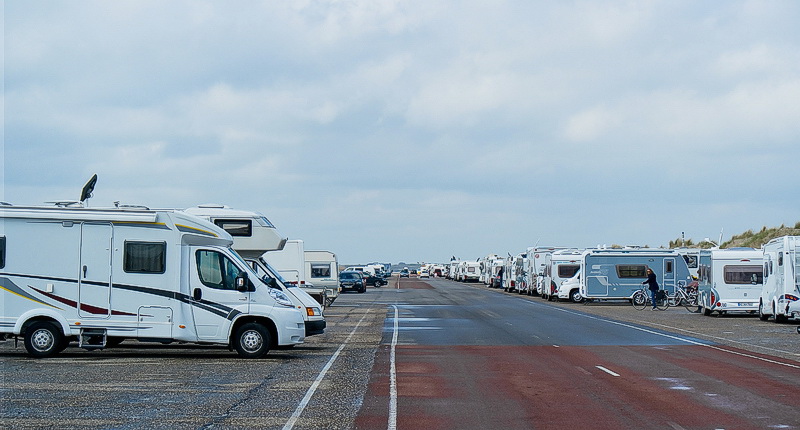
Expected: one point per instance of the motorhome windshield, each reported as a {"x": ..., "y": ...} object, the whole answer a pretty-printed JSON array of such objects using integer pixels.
[{"x": 274, "y": 273}]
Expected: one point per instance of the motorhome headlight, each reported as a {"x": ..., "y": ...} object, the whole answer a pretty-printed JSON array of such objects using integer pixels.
[
  {"x": 313, "y": 312},
  {"x": 280, "y": 297}
]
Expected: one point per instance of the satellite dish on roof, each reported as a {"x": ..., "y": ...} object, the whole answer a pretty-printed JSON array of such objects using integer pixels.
[{"x": 86, "y": 192}]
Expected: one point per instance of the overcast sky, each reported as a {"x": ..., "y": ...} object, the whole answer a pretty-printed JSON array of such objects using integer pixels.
[{"x": 415, "y": 130}]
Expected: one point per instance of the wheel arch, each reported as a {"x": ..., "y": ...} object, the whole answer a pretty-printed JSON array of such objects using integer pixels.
[{"x": 264, "y": 321}]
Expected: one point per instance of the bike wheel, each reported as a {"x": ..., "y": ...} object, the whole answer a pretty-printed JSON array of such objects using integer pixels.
[
  {"x": 639, "y": 300},
  {"x": 690, "y": 303},
  {"x": 662, "y": 301}
]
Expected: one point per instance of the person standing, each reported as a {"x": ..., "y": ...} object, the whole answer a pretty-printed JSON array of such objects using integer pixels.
[{"x": 652, "y": 285}]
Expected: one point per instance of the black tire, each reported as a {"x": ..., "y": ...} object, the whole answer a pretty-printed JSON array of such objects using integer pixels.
[
  {"x": 761, "y": 315},
  {"x": 252, "y": 340},
  {"x": 44, "y": 339},
  {"x": 575, "y": 296},
  {"x": 639, "y": 300},
  {"x": 706, "y": 311},
  {"x": 778, "y": 318}
]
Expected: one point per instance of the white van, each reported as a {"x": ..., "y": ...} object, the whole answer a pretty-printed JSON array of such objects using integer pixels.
[
  {"x": 780, "y": 294},
  {"x": 115, "y": 274},
  {"x": 730, "y": 280},
  {"x": 323, "y": 270}
]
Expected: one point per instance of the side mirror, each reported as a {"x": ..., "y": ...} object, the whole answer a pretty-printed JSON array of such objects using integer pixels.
[
  {"x": 197, "y": 294},
  {"x": 241, "y": 282}
]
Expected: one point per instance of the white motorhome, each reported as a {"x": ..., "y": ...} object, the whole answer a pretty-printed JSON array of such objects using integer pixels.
[
  {"x": 471, "y": 271},
  {"x": 452, "y": 269},
  {"x": 537, "y": 267},
  {"x": 564, "y": 265},
  {"x": 253, "y": 235},
  {"x": 290, "y": 262},
  {"x": 780, "y": 294},
  {"x": 150, "y": 275},
  {"x": 323, "y": 270},
  {"x": 730, "y": 280},
  {"x": 252, "y": 232}
]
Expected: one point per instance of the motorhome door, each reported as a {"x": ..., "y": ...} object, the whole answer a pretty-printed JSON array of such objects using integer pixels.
[
  {"x": 215, "y": 299},
  {"x": 94, "y": 277},
  {"x": 669, "y": 274}
]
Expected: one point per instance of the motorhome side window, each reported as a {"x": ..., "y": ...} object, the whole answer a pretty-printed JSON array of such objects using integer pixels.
[
  {"x": 2, "y": 252},
  {"x": 145, "y": 257},
  {"x": 668, "y": 268},
  {"x": 743, "y": 275},
  {"x": 216, "y": 270},
  {"x": 691, "y": 261},
  {"x": 631, "y": 271},
  {"x": 236, "y": 227},
  {"x": 320, "y": 270},
  {"x": 567, "y": 270}
]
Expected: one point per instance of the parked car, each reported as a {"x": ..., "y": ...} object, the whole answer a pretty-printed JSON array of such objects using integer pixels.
[
  {"x": 374, "y": 280},
  {"x": 424, "y": 274},
  {"x": 352, "y": 280},
  {"x": 404, "y": 273}
]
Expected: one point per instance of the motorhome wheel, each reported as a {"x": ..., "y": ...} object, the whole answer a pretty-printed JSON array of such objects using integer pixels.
[
  {"x": 761, "y": 315},
  {"x": 252, "y": 340},
  {"x": 778, "y": 318},
  {"x": 575, "y": 296},
  {"x": 43, "y": 339}
]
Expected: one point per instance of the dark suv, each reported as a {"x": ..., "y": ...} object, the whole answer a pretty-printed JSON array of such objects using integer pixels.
[{"x": 352, "y": 280}]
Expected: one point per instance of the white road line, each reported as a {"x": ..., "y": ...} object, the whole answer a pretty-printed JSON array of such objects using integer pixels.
[
  {"x": 693, "y": 342},
  {"x": 393, "y": 375},
  {"x": 313, "y": 388},
  {"x": 607, "y": 371}
]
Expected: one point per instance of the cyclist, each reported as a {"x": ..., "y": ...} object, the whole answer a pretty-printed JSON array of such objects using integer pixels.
[{"x": 653, "y": 286}]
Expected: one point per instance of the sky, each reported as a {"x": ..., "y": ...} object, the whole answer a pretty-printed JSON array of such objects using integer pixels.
[{"x": 414, "y": 131}]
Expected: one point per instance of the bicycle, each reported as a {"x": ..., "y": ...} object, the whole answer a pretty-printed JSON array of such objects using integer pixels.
[
  {"x": 641, "y": 298},
  {"x": 686, "y": 298}
]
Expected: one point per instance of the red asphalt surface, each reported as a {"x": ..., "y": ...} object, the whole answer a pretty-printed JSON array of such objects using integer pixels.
[{"x": 549, "y": 387}]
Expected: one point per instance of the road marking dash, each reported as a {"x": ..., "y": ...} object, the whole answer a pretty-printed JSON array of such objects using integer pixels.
[{"x": 607, "y": 371}]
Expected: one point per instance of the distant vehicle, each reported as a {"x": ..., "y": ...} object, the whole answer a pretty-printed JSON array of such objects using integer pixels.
[
  {"x": 323, "y": 270},
  {"x": 374, "y": 280},
  {"x": 404, "y": 273},
  {"x": 352, "y": 281},
  {"x": 424, "y": 274},
  {"x": 730, "y": 280},
  {"x": 780, "y": 294}
]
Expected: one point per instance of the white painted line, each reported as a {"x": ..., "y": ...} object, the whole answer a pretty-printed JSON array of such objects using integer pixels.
[
  {"x": 313, "y": 388},
  {"x": 393, "y": 374},
  {"x": 607, "y": 371}
]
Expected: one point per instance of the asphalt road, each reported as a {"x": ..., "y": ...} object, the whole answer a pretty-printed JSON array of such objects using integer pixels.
[{"x": 433, "y": 355}]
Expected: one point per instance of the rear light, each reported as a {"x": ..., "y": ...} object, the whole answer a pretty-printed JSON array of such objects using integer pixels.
[
  {"x": 513, "y": 283},
  {"x": 792, "y": 298}
]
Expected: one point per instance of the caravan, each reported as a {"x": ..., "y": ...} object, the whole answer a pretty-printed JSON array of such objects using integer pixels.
[
  {"x": 730, "y": 280},
  {"x": 115, "y": 274},
  {"x": 780, "y": 294},
  {"x": 618, "y": 273},
  {"x": 537, "y": 267}
]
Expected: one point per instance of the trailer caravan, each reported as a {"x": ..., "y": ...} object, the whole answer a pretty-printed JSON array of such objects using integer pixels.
[
  {"x": 323, "y": 269},
  {"x": 618, "y": 273},
  {"x": 253, "y": 235},
  {"x": 562, "y": 265},
  {"x": 471, "y": 271},
  {"x": 150, "y": 275},
  {"x": 780, "y": 294},
  {"x": 730, "y": 280}
]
